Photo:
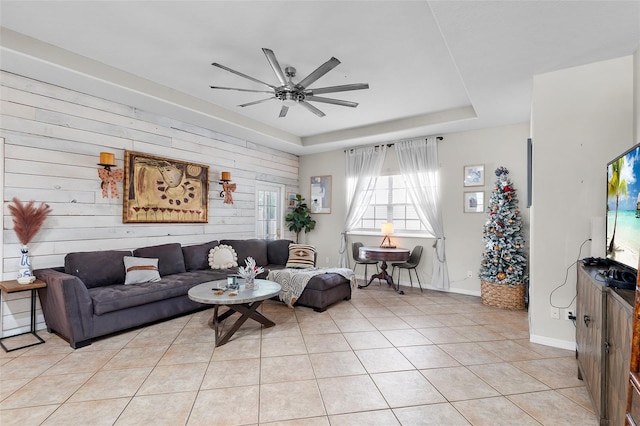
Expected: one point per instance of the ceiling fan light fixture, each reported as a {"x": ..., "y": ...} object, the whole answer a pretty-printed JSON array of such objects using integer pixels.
[
  {"x": 290, "y": 99},
  {"x": 290, "y": 93}
]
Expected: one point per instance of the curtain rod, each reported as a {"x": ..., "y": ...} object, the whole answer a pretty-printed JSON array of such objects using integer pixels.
[{"x": 439, "y": 138}]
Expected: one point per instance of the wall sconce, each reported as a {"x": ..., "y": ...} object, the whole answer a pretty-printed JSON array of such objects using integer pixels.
[
  {"x": 227, "y": 187},
  {"x": 109, "y": 177},
  {"x": 387, "y": 229}
]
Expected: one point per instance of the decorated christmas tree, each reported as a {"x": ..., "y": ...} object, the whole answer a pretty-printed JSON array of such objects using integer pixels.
[{"x": 503, "y": 258}]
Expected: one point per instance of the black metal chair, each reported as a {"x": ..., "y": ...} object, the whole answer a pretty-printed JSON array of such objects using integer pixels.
[
  {"x": 355, "y": 248},
  {"x": 411, "y": 264}
]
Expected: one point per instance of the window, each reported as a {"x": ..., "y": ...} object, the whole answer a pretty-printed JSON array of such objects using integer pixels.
[{"x": 390, "y": 202}]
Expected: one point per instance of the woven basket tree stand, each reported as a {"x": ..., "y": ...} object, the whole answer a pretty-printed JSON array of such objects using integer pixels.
[{"x": 503, "y": 296}]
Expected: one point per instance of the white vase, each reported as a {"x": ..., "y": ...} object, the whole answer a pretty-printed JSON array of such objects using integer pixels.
[
  {"x": 25, "y": 263},
  {"x": 250, "y": 283}
]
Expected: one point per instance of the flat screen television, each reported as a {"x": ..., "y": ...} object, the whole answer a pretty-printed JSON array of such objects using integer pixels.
[{"x": 623, "y": 210}]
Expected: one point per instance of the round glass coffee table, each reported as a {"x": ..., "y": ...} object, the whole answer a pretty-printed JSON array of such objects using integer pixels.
[{"x": 245, "y": 303}]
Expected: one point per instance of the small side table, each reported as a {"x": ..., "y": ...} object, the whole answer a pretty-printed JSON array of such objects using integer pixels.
[{"x": 13, "y": 286}]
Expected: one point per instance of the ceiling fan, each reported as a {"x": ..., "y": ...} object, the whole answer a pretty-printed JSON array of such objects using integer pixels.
[{"x": 291, "y": 93}]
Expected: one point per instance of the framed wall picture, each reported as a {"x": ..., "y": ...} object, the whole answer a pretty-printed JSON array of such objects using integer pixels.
[
  {"x": 291, "y": 199},
  {"x": 161, "y": 190},
  {"x": 474, "y": 202},
  {"x": 320, "y": 194},
  {"x": 474, "y": 175}
]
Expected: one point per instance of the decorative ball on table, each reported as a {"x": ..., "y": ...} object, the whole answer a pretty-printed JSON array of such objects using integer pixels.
[{"x": 504, "y": 262}]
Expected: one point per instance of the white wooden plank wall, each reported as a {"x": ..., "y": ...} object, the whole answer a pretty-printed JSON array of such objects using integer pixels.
[{"x": 52, "y": 140}]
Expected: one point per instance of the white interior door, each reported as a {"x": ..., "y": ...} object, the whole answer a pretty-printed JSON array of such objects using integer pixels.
[{"x": 269, "y": 200}]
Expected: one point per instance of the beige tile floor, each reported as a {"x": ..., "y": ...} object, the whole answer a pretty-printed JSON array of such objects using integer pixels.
[{"x": 427, "y": 358}]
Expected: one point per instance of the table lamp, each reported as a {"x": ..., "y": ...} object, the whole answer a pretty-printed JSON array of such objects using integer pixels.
[{"x": 387, "y": 229}]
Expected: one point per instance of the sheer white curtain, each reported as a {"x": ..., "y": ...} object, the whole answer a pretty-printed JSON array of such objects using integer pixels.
[
  {"x": 362, "y": 171},
  {"x": 418, "y": 161}
]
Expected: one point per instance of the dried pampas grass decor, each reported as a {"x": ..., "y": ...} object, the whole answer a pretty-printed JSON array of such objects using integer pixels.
[{"x": 27, "y": 219}]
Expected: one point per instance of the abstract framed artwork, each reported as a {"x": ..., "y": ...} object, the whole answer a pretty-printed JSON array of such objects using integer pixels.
[
  {"x": 161, "y": 190},
  {"x": 474, "y": 175},
  {"x": 320, "y": 194},
  {"x": 474, "y": 202}
]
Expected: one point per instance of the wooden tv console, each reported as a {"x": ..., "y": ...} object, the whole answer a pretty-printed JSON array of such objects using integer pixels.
[{"x": 604, "y": 320}]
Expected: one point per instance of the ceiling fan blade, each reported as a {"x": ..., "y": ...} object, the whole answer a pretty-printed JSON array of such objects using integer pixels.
[
  {"x": 241, "y": 90},
  {"x": 277, "y": 69},
  {"x": 283, "y": 111},
  {"x": 215, "y": 64},
  {"x": 334, "y": 89},
  {"x": 332, "y": 101},
  {"x": 256, "y": 102},
  {"x": 311, "y": 108},
  {"x": 319, "y": 72}
]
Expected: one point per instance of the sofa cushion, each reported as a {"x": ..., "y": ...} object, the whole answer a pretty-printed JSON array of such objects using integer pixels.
[
  {"x": 196, "y": 257},
  {"x": 223, "y": 257},
  {"x": 170, "y": 258},
  {"x": 116, "y": 297},
  {"x": 140, "y": 270},
  {"x": 301, "y": 256},
  {"x": 97, "y": 268},
  {"x": 256, "y": 248},
  {"x": 278, "y": 251}
]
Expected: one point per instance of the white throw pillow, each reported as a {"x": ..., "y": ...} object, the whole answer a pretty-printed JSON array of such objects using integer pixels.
[
  {"x": 141, "y": 270},
  {"x": 223, "y": 257}
]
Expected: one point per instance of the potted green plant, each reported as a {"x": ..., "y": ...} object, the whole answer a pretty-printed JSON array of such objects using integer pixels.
[{"x": 300, "y": 218}]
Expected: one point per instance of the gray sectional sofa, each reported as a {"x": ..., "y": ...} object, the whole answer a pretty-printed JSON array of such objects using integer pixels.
[{"x": 87, "y": 297}]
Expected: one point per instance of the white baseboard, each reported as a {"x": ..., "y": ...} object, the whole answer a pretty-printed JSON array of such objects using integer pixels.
[
  {"x": 450, "y": 290},
  {"x": 556, "y": 343}
]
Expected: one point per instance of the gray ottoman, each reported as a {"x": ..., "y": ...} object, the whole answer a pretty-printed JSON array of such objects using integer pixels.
[{"x": 324, "y": 290}]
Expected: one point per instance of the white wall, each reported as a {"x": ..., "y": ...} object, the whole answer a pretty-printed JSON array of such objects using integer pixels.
[
  {"x": 582, "y": 118},
  {"x": 503, "y": 146},
  {"x": 53, "y": 137}
]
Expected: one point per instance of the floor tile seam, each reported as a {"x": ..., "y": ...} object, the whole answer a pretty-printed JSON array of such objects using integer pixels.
[
  {"x": 67, "y": 400},
  {"x": 115, "y": 352},
  {"x": 107, "y": 371},
  {"x": 470, "y": 371},
  {"x": 550, "y": 390},
  {"x": 382, "y": 393},
  {"x": 23, "y": 385},
  {"x": 343, "y": 375},
  {"x": 168, "y": 392},
  {"x": 366, "y": 374},
  {"x": 461, "y": 413},
  {"x": 153, "y": 367},
  {"x": 467, "y": 363},
  {"x": 495, "y": 397},
  {"x": 125, "y": 409},
  {"x": 515, "y": 364},
  {"x": 509, "y": 363},
  {"x": 57, "y": 405},
  {"x": 372, "y": 349},
  {"x": 52, "y": 375},
  {"x": 324, "y": 406}
]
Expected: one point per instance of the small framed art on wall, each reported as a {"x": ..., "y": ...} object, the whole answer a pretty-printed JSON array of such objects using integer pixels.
[
  {"x": 474, "y": 175},
  {"x": 474, "y": 202}
]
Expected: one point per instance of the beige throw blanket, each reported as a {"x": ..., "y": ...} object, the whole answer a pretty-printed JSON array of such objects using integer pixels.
[{"x": 293, "y": 281}]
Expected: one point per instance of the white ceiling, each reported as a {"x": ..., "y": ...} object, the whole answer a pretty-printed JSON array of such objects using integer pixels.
[{"x": 433, "y": 66}]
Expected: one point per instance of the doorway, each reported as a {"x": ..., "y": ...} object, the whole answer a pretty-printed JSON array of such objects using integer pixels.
[{"x": 269, "y": 200}]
